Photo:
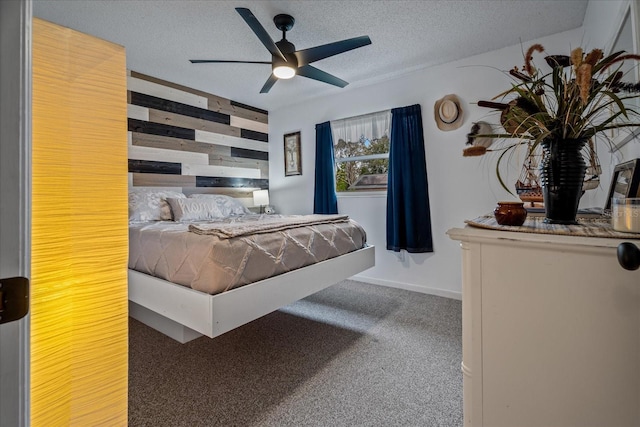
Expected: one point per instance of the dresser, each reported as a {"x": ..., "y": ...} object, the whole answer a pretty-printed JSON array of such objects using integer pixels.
[{"x": 551, "y": 331}]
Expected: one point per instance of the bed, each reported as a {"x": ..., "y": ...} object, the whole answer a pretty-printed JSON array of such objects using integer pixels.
[{"x": 205, "y": 265}]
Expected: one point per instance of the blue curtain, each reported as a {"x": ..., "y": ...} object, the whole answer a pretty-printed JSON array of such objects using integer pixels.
[
  {"x": 325, "y": 200},
  {"x": 408, "y": 214}
]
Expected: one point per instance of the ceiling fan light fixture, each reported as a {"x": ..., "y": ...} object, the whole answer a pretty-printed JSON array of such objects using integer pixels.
[
  {"x": 284, "y": 71},
  {"x": 286, "y": 61}
]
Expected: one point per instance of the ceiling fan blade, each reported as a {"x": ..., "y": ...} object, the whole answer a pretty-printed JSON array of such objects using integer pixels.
[
  {"x": 316, "y": 74},
  {"x": 307, "y": 56},
  {"x": 269, "y": 83},
  {"x": 218, "y": 61},
  {"x": 259, "y": 30}
]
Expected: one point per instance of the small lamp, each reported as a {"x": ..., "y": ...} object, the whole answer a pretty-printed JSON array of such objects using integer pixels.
[{"x": 261, "y": 198}]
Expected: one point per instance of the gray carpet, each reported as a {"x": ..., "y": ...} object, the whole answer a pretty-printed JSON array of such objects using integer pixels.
[{"x": 354, "y": 354}]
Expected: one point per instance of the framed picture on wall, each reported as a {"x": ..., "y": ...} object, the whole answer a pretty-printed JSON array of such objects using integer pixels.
[{"x": 292, "y": 154}]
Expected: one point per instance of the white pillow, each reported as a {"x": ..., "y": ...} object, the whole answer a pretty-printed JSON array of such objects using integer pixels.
[
  {"x": 227, "y": 205},
  {"x": 200, "y": 209},
  {"x": 151, "y": 205}
]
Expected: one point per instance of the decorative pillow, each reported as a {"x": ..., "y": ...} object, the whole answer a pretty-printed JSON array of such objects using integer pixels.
[
  {"x": 200, "y": 209},
  {"x": 226, "y": 205},
  {"x": 151, "y": 205}
]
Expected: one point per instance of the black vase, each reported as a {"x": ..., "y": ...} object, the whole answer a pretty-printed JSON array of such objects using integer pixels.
[{"x": 562, "y": 172}]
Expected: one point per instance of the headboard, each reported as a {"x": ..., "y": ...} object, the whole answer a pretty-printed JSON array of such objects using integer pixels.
[{"x": 194, "y": 142}]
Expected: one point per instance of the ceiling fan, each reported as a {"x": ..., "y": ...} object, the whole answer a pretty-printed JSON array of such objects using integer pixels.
[{"x": 286, "y": 61}]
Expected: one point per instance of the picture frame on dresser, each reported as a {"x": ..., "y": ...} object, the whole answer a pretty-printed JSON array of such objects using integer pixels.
[
  {"x": 292, "y": 154},
  {"x": 625, "y": 181}
]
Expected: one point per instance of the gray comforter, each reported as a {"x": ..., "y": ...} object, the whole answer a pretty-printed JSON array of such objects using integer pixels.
[{"x": 211, "y": 264}]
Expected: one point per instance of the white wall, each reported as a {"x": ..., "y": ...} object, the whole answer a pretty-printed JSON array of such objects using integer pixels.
[
  {"x": 601, "y": 25},
  {"x": 601, "y": 22},
  {"x": 460, "y": 188}
]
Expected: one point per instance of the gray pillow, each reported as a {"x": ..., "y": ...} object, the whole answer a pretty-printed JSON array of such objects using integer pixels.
[{"x": 151, "y": 205}]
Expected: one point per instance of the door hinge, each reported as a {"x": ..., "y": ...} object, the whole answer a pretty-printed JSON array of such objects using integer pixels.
[{"x": 14, "y": 299}]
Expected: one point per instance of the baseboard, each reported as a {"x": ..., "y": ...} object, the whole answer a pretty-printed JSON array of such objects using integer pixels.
[{"x": 409, "y": 287}]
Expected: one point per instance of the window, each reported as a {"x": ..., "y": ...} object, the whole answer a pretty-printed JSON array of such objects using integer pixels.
[{"x": 361, "y": 148}]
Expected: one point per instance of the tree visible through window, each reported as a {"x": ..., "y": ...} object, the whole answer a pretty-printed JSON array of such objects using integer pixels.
[
  {"x": 362, "y": 165},
  {"x": 361, "y": 148}
]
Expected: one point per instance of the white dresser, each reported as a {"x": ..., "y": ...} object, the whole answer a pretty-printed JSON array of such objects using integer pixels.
[{"x": 551, "y": 331}]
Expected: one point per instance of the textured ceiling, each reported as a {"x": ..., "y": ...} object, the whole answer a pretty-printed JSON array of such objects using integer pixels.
[{"x": 161, "y": 36}]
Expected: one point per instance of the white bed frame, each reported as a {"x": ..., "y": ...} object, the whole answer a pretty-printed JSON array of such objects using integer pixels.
[{"x": 185, "y": 314}]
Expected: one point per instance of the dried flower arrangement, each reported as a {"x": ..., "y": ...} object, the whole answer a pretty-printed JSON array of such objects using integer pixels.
[{"x": 581, "y": 96}]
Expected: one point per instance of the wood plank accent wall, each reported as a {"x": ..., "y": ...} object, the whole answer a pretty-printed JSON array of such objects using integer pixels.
[{"x": 194, "y": 141}]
